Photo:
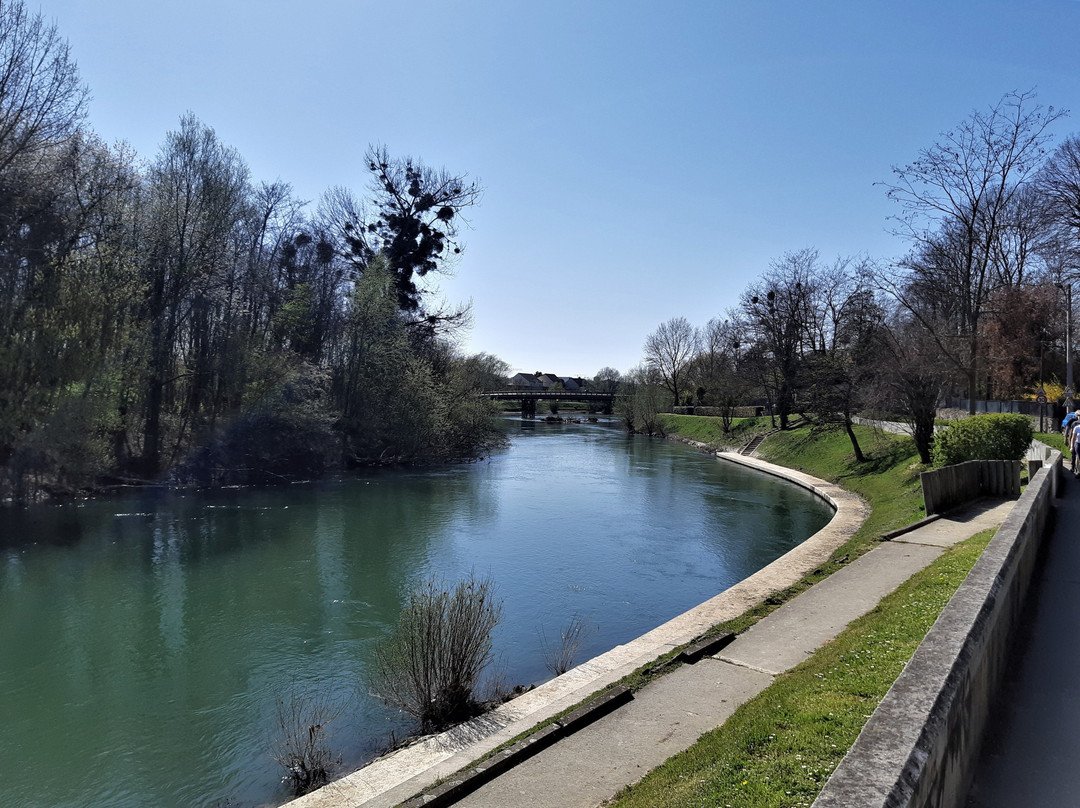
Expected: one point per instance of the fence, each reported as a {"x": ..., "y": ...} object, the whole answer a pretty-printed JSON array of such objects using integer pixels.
[
  {"x": 948, "y": 487},
  {"x": 737, "y": 412},
  {"x": 1051, "y": 409}
]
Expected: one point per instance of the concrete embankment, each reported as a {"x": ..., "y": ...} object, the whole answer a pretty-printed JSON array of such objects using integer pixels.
[
  {"x": 398, "y": 776},
  {"x": 920, "y": 746}
]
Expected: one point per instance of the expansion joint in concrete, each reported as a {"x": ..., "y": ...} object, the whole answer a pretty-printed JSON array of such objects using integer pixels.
[{"x": 746, "y": 666}]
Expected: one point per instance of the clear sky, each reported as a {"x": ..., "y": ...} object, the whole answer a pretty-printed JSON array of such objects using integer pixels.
[{"x": 641, "y": 160}]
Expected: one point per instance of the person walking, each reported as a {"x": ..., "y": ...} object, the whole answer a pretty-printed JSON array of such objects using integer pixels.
[
  {"x": 1074, "y": 445},
  {"x": 1069, "y": 427}
]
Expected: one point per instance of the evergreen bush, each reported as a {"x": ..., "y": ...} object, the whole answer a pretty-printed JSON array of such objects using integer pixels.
[{"x": 1004, "y": 436}]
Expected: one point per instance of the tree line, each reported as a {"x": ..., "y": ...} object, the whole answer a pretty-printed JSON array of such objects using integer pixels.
[
  {"x": 173, "y": 317},
  {"x": 977, "y": 307}
]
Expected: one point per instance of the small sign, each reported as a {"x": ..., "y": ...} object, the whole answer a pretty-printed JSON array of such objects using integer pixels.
[{"x": 1041, "y": 399}]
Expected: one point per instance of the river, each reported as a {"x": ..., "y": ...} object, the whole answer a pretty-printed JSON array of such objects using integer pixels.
[{"x": 146, "y": 641}]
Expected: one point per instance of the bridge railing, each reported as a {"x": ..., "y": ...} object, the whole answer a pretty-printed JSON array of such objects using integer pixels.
[{"x": 580, "y": 395}]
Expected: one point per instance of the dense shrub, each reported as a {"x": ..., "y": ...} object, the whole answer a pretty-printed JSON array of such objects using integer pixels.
[
  {"x": 984, "y": 437},
  {"x": 287, "y": 435},
  {"x": 431, "y": 665}
]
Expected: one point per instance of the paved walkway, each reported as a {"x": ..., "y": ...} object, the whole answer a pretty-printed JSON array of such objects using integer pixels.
[
  {"x": 1032, "y": 743},
  {"x": 667, "y": 716}
]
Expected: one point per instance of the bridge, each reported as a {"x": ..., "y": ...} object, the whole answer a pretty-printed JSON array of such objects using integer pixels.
[{"x": 528, "y": 397}]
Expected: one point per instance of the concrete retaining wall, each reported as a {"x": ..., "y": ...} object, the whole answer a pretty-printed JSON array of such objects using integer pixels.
[
  {"x": 948, "y": 487},
  {"x": 919, "y": 748}
]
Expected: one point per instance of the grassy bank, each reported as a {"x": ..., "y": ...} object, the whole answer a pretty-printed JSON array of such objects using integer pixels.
[
  {"x": 710, "y": 430},
  {"x": 1053, "y": 439},
  {"x": 779, "y": 748},
  {"x": 888, "y": 480}
]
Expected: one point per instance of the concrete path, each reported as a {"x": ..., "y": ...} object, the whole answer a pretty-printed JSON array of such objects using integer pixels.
[
  {"x": 589, "y": 767},
  {"x": 1032, "y": 744}
]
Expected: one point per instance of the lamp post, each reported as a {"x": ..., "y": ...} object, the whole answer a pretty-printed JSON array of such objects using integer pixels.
[{"x": 1069, "y": 392}]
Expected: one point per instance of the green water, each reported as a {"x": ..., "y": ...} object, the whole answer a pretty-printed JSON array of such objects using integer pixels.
[{"x": 145, "y": 641}]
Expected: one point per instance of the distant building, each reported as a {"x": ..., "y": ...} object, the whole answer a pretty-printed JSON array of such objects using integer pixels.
[
  {"x": 545, "y": 381},
  {"x": 525, "y": 381},
  {"x": 548, "y": 380}
]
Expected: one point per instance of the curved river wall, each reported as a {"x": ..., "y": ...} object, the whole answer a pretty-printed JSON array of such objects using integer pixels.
[{"x": 145, "y": 642}]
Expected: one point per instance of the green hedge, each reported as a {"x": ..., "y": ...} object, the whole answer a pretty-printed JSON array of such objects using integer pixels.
[{"x": 984, "y": 437}]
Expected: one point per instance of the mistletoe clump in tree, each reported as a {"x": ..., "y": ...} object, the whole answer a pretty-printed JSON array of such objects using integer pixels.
[{"x": 417, "y": 213}]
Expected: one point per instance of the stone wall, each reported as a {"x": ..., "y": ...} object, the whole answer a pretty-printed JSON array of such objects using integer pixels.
[{"x": 920, "y": 747}]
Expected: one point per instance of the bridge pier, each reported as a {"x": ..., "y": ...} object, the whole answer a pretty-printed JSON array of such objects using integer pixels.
[{"x": 528, "y": 408}]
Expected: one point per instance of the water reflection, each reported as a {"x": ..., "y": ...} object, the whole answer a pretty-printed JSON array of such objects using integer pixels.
[{"x": 144, "y": 641}]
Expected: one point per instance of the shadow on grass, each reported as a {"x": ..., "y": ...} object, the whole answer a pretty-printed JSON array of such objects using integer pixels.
[{"x": 886, "y": 456}]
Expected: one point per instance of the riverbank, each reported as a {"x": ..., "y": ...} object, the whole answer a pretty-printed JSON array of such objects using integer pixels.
[
  {"x": 751, "y": 767},
  {"x": 780, "y": 748},
  {"x": 246, "y": 596},
  {"x": 792, "y": 724},
  {"x": 890, "y": 482},
  {"x": 391, "y": 780},
  {"x": 762, "y": 720},
  {"x": 707, "y": 432}
]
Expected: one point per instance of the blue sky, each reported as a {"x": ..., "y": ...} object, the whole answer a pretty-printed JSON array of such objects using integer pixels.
[{"x": 641, "y": 160}]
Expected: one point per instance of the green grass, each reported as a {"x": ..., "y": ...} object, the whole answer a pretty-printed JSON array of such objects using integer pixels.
[
  {"x": 888, "y": 480},
  {"x": 709, "y": 429},
  {"x": 1054, "y": 440},
  {"x": 779, "y": 748}
]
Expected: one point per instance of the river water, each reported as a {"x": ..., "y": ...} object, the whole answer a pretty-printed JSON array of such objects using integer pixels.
[{"x": 146, "y": 641}]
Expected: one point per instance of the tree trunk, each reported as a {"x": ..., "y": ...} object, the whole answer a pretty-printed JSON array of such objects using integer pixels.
[
  {"x": 859, "y": 457},
  {"x": 973, "y": 373}
]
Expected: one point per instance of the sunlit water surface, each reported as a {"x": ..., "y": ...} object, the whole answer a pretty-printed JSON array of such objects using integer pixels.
[{"x": 145, "y": 641}]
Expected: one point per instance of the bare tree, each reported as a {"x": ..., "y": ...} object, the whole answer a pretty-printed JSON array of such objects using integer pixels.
[
  {"x": 1058, "y": 184},
  {"x": 778, "y": 314},
  {"x": 842, "y": 319},
  {"x": 715, "y": 370},
  {"x": 431, "y": 665},
  {"x": 642, "y": 401},
  {"x": 911, "y": 376},
  {"x": 42, "y": 101},
  {"x": 606, "y": 380},
  {"x": 958, "y": 202},
  {"x": 669, "y": 350},
  {"x": 198, "y": 191}
]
